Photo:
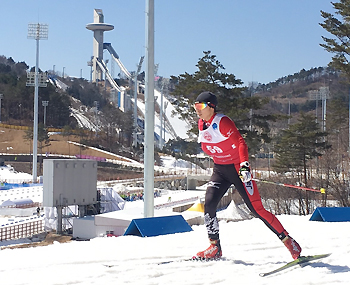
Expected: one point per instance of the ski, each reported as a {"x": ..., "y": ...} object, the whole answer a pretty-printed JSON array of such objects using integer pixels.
[
  {"x": 174, "y": 260},
  {"x": 194, "y": 259},
  {"x": 109, "y": 265},
  {"x": 299, "y": 261},
  {"x": 179, "y": 260}
]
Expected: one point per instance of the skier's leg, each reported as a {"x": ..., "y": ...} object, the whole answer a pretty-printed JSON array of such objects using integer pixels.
[
  {"x": 216, "y": 189},
  {"x": 252, "y": 199}
]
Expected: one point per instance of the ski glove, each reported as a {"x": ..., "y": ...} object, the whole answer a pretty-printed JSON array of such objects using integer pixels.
[{"x": 244, "y": 172}]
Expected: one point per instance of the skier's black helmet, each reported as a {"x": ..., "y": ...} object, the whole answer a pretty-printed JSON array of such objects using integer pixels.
[{"x": 207, "y": 97}]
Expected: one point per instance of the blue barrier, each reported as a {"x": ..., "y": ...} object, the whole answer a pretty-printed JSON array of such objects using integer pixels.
[
  {"x": 8, "y": 186},
  {"x": 156, "y": 226},
  {"x": 331, "y": 214}
]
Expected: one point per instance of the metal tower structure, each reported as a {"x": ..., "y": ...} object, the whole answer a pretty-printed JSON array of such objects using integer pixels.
[
  {"x": 321, "y": 94},
  {"x": 98, "y": 27}
]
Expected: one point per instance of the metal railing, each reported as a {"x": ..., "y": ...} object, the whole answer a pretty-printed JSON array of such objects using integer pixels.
[{"x": 21, "y": 229}]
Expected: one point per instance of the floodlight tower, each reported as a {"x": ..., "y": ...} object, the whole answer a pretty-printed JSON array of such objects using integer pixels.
[
  {"x": 98, "y": 27},
  {"x": 37, "y": 32}
]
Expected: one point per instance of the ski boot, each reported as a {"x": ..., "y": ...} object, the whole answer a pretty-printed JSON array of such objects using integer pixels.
[
  {"x": 293, "y": 247},
  {"x": 211, "y": 253}
]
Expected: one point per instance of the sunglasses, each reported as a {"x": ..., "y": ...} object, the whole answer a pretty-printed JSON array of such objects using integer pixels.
[{"x": 200, "y": 105}]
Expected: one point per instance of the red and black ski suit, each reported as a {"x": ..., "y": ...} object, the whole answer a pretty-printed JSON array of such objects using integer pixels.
[{"x": 221, "y": 140}]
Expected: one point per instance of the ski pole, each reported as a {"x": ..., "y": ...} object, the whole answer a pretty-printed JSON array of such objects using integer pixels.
[{"x": 322, "y": 190}]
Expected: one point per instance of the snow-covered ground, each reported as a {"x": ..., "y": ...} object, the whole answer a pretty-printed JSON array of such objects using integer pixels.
[
  {"x": 179, "y": 125},
  {"x": 8, "y": 174},
  {"x": 248, "y": 246},
  {"x": 82, "y": 120}
]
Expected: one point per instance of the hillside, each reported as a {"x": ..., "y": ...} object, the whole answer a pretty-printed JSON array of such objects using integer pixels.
[
  {"x": 12, "y": 142},
  {"x": 292, "y": 93}
]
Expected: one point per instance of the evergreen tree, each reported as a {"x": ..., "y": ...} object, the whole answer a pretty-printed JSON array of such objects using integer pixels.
[
  {"x": 338, "y": 123},
  {"x": 234, "y": 100},
  {"x": 339, "y": 27},
  {"x": 18, "y": 98},
  {"x": 297, "y": 145}
]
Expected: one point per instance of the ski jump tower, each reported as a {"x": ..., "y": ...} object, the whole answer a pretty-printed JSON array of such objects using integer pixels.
[{"x": 98, "y": 27}]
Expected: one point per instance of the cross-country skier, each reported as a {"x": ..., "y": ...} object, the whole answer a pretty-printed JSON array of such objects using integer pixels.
[{"x": 221, "y": 140}]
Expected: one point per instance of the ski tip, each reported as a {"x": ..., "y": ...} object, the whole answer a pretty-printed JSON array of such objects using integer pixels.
[
  {"x": 301, "y": 260},
  {"x": 315, "y": 256}
]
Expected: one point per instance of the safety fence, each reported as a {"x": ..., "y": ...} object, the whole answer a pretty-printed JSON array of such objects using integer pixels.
[{"x": 21, "y": 229}]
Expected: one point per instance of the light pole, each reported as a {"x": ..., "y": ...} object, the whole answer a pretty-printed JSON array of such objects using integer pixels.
[
  {"x": 149, "y": 113},
  {"x": 45, "y": 104},
  {"x": 36, "y": 32},
  {"x": 1, "y": 96}
]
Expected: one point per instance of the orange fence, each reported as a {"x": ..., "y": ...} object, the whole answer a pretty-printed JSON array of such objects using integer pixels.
[{"x": 22, "y": 230}]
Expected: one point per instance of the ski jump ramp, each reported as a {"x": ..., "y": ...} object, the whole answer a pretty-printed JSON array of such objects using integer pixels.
[{"x": 176, "y": 127}]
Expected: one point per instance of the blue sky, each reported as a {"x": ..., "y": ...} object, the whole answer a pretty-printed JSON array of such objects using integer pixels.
[{"x": 255, "y": 40}]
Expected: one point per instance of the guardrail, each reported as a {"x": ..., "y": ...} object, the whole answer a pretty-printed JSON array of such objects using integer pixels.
[
  {"x": 18, "y": 230},
  {"x": 156, "y": 178}
]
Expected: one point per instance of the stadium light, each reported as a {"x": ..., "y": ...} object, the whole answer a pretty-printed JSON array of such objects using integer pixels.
[{"x": 36, "y": 32}]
